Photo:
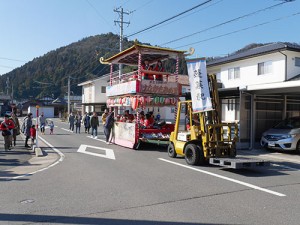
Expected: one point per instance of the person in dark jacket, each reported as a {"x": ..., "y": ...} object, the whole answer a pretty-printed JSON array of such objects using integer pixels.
[
  {"x": 94, "y": 125},
  {"x": 27, "y": 123},
  {"x": 109, "y": 123}
]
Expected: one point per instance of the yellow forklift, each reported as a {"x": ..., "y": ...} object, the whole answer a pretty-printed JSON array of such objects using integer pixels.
[{"x": 202, "y": 137}]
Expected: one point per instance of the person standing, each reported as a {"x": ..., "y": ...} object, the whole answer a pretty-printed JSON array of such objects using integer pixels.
[
  {"x": 42, "y": 122},
  {"x": 77, "y": 123},
  {"x": 32, "y": 134},
  {"x": 94, "y": 125},
  {"x": 16, "y": 130},
  {"x": 6, "y": 126},
  {"x": 108, "y": 126},
  {"x": 71, "y": 121},
  {"x": 104, "y": 115},
  {"x": 86, "y": 122},
  {"x": 51, "y": 125},
  {"x": 27, "y": 124}
]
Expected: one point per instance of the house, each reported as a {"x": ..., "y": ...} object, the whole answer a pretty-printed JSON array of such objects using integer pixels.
[
  {"x": 259, "y": 87},
  {"x": 94, "y": 94}
]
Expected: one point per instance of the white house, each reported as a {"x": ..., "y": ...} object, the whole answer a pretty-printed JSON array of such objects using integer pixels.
[
  {"x": 94, "y": 94},
  {"x": 259, "y": 87}
]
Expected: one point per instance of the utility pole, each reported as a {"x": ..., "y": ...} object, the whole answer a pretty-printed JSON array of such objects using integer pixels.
[
  {"x": 121, "y": 12},
  {"x": 69, "y": 84}
]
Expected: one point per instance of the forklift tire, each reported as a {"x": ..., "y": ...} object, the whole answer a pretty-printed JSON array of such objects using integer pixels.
[
  {"x": 171, "y": 151},
  {"x": 194, "y": 154}
]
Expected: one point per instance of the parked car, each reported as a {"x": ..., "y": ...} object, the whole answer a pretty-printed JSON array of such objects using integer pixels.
[{"x": 284, "y": 136}]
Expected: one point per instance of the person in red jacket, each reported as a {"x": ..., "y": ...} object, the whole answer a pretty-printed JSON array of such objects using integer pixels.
[
  {"x": 6, "y": 126},
  {"x": 146, "y": 66},
  {"x": 159, "y": 68},
  {"x": 32, "y": 134}
]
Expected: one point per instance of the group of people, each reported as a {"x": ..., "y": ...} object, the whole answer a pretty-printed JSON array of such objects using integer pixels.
[
  {"x": 158, "y": 67},
  {"x": 10, "y": 128},
  {"x": 90, "y": 121}
]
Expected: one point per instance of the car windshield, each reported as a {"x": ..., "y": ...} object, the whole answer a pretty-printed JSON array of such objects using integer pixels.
[{"x": 290, "y": 123}]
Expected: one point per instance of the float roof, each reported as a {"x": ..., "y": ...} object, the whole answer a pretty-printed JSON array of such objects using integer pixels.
[{"x": 152, "y": 54}]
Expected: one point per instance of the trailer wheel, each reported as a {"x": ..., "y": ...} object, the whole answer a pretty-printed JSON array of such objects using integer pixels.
[
  {"x": 194, "y": 154},
  {"x": 171, "y": 151}
]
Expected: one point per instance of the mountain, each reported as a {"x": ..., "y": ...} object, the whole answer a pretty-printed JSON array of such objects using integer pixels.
[{"x": 48, "y": 75}]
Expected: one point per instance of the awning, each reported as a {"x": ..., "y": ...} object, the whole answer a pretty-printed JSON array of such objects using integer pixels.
[{"x": 287, "y": 87}]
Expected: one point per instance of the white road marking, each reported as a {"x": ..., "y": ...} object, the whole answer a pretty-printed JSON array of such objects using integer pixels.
[
  {"x": 225, "y": 178},
  {"x": 62, "y": 156},
  {"x": 97, "y": 139},
  {"x": 109, "y": 153},
  {"x": 67, "y": 130}
]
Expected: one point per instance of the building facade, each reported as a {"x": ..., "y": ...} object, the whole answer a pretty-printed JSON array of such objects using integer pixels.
[{"x": 259, "y": 87}]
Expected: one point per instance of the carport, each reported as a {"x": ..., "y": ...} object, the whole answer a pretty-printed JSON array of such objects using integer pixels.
[{"x": 264, "y": 105}]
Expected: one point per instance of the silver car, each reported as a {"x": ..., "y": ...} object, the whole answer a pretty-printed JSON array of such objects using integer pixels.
[{"x": 284, "y": 136}]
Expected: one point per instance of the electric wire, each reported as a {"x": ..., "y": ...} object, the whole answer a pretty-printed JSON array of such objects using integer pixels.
[
  {"x": 166, "y": 20},
  {"x": 240, "y": 30},
  {"x": 221, "y": 24},
  {"x": 99, "y": 14}
]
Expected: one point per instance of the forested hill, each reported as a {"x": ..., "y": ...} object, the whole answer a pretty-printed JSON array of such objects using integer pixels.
[{"x": 48, "y": 75}]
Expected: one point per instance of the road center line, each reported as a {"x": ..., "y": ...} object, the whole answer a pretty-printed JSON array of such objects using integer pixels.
[{"x": 225, "y": 178}]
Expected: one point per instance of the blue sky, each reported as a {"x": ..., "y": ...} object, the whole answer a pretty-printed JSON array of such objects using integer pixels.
[{"x": 31, "y": 28}]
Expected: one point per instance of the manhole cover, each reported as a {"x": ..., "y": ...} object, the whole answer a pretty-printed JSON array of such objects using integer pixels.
[{"x": 27, "y": 201}]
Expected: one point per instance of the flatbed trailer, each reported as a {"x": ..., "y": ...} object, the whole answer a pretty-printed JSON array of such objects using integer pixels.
[{"x": 239, "y": 162}]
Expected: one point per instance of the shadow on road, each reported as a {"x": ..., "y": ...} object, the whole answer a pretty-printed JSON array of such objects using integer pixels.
[{"x": 83, "y": 220}]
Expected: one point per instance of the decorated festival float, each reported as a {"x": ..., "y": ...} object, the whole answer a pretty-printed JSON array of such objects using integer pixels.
[{"x": 141, "y": 90}]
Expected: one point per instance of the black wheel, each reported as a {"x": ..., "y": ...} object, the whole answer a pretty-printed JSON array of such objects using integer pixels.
[
  {"x": 171, "y": 151},
  {"x": 194, "y": 154},
  {"x": 298, "y": 147}
]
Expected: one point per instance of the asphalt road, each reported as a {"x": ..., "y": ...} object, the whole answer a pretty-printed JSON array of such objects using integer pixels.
[{"x": 109, "y": 184}]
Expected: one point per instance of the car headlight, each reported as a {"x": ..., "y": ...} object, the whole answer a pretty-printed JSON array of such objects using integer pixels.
[{"x": 288, "y": 136}]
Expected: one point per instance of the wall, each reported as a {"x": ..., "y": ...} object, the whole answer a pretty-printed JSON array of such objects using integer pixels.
[{"x": 48, "y": 111}]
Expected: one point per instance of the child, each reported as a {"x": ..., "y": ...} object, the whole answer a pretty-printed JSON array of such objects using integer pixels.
[
  {"x": 32, "y": 134},
  {"x": 51, "y": 125}
]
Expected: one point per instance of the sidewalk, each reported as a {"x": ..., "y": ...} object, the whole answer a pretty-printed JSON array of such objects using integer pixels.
[{"x": 20, "y": 161}]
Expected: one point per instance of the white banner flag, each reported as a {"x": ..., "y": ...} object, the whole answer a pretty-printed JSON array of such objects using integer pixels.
[{"x": 200, "y": 94}]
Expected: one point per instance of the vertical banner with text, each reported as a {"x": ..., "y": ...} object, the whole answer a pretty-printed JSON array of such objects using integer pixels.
[{"x": 198, "y": 79}]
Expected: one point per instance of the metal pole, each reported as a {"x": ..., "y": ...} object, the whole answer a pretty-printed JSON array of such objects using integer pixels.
[
  {"x": 37, "y": 126},
  {"x": 69, "y": 81},
  {"x": 121, "y": 22}
]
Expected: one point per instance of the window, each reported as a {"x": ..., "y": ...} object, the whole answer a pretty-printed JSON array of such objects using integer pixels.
[
  {"x": 234, "y": 73},
  {"x": 264, "y": 68},
  {"x": 297, "y": 61},
  {"x": 103, "y": 89}
]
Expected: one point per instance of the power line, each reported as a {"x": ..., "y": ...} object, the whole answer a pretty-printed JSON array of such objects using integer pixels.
[
  {"x": 99, "y": 14},
  {"x": 166, "y": 20},
  {"x": 17, "y": 60},
  {"x": 237, "y": 31},
  {"x": 183, "y": 16},
  {"x": 228, "y": 21}
]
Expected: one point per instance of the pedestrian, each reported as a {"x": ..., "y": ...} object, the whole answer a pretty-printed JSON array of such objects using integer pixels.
[
  {"x": 86, "y": 122},
  {"x": 94, "y": 125},
  {"x": 71, "y": 121},
  {"x": 78, "y": 123},
  {"x": 32, "y": 134},
  {"x": 27, "y": 123},
  {"x": 51, "y": 126},
  {"x": 16, "y": 130},
  {"x": 42, "y": 122},
  {"x": 6, "y": 126},
  {"x": 104, "y": 115},
  {"x": 108, "y": 126}
]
